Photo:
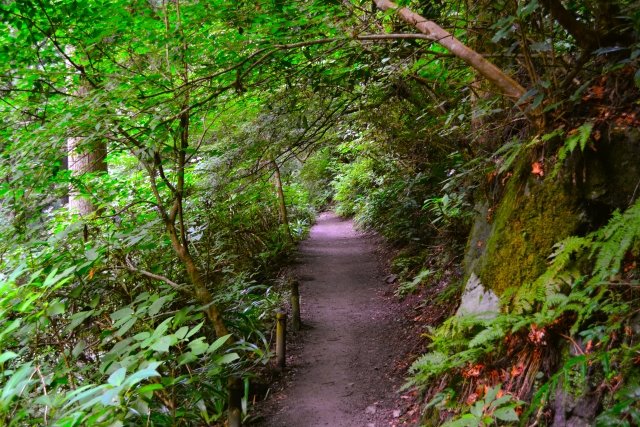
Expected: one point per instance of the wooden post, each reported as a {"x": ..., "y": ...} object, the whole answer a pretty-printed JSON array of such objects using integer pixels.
[
  {"x": 295, "y": 306},
  {"x": 235, "y": 402},
  {"x": 281, "y": 334}
]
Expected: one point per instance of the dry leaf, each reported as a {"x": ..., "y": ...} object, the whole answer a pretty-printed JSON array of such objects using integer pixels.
[
  {"x": 472, "y": 399},
  {"x": 537, "y": 170}
]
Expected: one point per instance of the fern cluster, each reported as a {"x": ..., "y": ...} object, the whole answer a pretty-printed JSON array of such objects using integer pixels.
[{"x": 566, "y": 287}]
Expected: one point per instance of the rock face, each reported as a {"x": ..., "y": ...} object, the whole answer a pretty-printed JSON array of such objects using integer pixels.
[
  {"x": 476, "y": 300},
  {"x": 521, "y": 217},
  {"x": 574, "y": 411}
]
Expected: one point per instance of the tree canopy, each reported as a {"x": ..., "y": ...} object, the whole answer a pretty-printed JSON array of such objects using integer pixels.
[{"x": 212, "y": 130}]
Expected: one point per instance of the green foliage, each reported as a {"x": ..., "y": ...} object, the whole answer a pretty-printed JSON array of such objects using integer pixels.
[
  {"x": 193, "y": 103},
  {"x": 489, "y": 411},
  {"x": 409, "y": 287},
  {"x": 580, "y": 136},
  {"x": 100, "y": 366},
  {"x": 562, "y": 292}
]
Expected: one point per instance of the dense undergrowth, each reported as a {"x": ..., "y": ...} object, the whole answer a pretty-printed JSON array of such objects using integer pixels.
[
  {"x": 96, "y": 305},
  {"x": 161, "y": 159}
]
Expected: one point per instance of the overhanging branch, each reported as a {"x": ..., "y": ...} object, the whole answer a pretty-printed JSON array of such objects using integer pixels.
[{"x": 434, "y": 32}]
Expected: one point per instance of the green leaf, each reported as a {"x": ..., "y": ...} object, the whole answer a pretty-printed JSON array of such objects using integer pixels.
[
  {"x": 501, "y": 400},
  {"x": 7, "y": 355},
  {"x": 180, "y": 333},
  {"x": 476, "y": 410},
  {"x": 585, "y": 133},
  {"x": 194, "y": 330},
  {"x": 149, "y": 387},
  {"x": 506, "y": 414},
  {"x": 92, "y": 254},
  {"x": 198, "y": 346},
  {"x": 637, "y": 78},
  {"x": 117, "y": 377},
  {"x": 164, "y": 343},
  {"x": 94, "y": 301},
  {"x": 141, "y": 336},
  {"x": 491, "y": 394},
  {"x": 528, "y": 9},
  {"x": 77, "y": 319},
  {"x": 187, "y": 357},
  {"x": 527, "y": 95},
  {"x": 218, "y": 343},
  {"x": 128, "y": 325},
  {"x": 122, "y": 313},
  {"x": 78, "y": 348},
  {"x": 157, "y": 305},
  {"x": 227, "y": 358},
  {"x": 143, "y": 374}
]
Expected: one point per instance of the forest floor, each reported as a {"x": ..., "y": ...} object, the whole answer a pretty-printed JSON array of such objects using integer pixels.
[{"x": 345, "y": 367}]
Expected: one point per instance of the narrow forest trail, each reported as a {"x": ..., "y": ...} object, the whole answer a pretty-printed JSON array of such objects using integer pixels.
[{"x": 344, "y": 374}]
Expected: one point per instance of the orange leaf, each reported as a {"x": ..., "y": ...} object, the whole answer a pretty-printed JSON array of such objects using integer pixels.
[
  {"x": 516, "y": 370},
  {"x": 537, "y": 170},
  {"x": 91, "y": 273}
]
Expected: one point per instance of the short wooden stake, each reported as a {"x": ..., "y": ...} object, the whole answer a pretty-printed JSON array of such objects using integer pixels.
[
  {"x": 295, "y": 306},
  {"x": 235, "y": 402},
  {"x": 281, "y": 343}
]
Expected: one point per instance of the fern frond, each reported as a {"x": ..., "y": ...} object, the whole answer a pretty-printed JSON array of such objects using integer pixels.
[
  {"x": 487, "y": 336},
  {"x": 580, "y": 135},
  {"x": 613, "y": 241}
]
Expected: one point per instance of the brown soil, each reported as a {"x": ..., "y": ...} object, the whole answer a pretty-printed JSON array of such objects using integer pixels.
[{"x": 345, "y": 366}]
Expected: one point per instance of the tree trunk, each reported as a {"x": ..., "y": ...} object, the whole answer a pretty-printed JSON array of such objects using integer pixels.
[
  {"x": 200, "y": 288},
  {"x": 64, "y": 166},
  {"x": 510, "y": 87},
  {"x": 584, "y": 36},
  {"x": 282, "y": 206},
  {"x": 82, "y": 161}
]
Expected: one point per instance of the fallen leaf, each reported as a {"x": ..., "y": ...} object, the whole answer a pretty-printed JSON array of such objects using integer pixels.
[
  {"x": 516, "y": 370},
  {"x": 537, "y": 170},
  {"x": 506, "y": 178},
  {"x": 589, "y": 348}
]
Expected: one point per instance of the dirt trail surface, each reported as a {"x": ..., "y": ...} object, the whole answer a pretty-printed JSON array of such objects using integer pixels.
[{"x": 343, "y": 374}]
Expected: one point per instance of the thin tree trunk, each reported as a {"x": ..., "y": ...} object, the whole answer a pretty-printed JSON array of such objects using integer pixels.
[
  {"x": 200, "y": 288},
  {"x": 64, "y": 166},
  {"x": 282, "y": 206},
  {"x": 82, "y": 161},
  {"x": 510, "y": 87},
  {"x": 178, "y": 236}
]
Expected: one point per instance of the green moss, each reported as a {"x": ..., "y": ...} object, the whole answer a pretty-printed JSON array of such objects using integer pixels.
[{"x": 533, "y": 215}]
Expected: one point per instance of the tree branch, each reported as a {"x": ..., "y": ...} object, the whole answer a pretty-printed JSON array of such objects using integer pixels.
[
  {"x": 157, "y": 277},
  {"x": 510, "y": 87}
]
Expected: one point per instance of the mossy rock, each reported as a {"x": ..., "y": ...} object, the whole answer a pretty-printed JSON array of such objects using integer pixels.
[
  {"x": 532, "y": 216},
  {"x": 536, "y": 213}
]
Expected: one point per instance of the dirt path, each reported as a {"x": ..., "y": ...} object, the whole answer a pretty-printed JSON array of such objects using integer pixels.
[{"x": 343, "y": 375}]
